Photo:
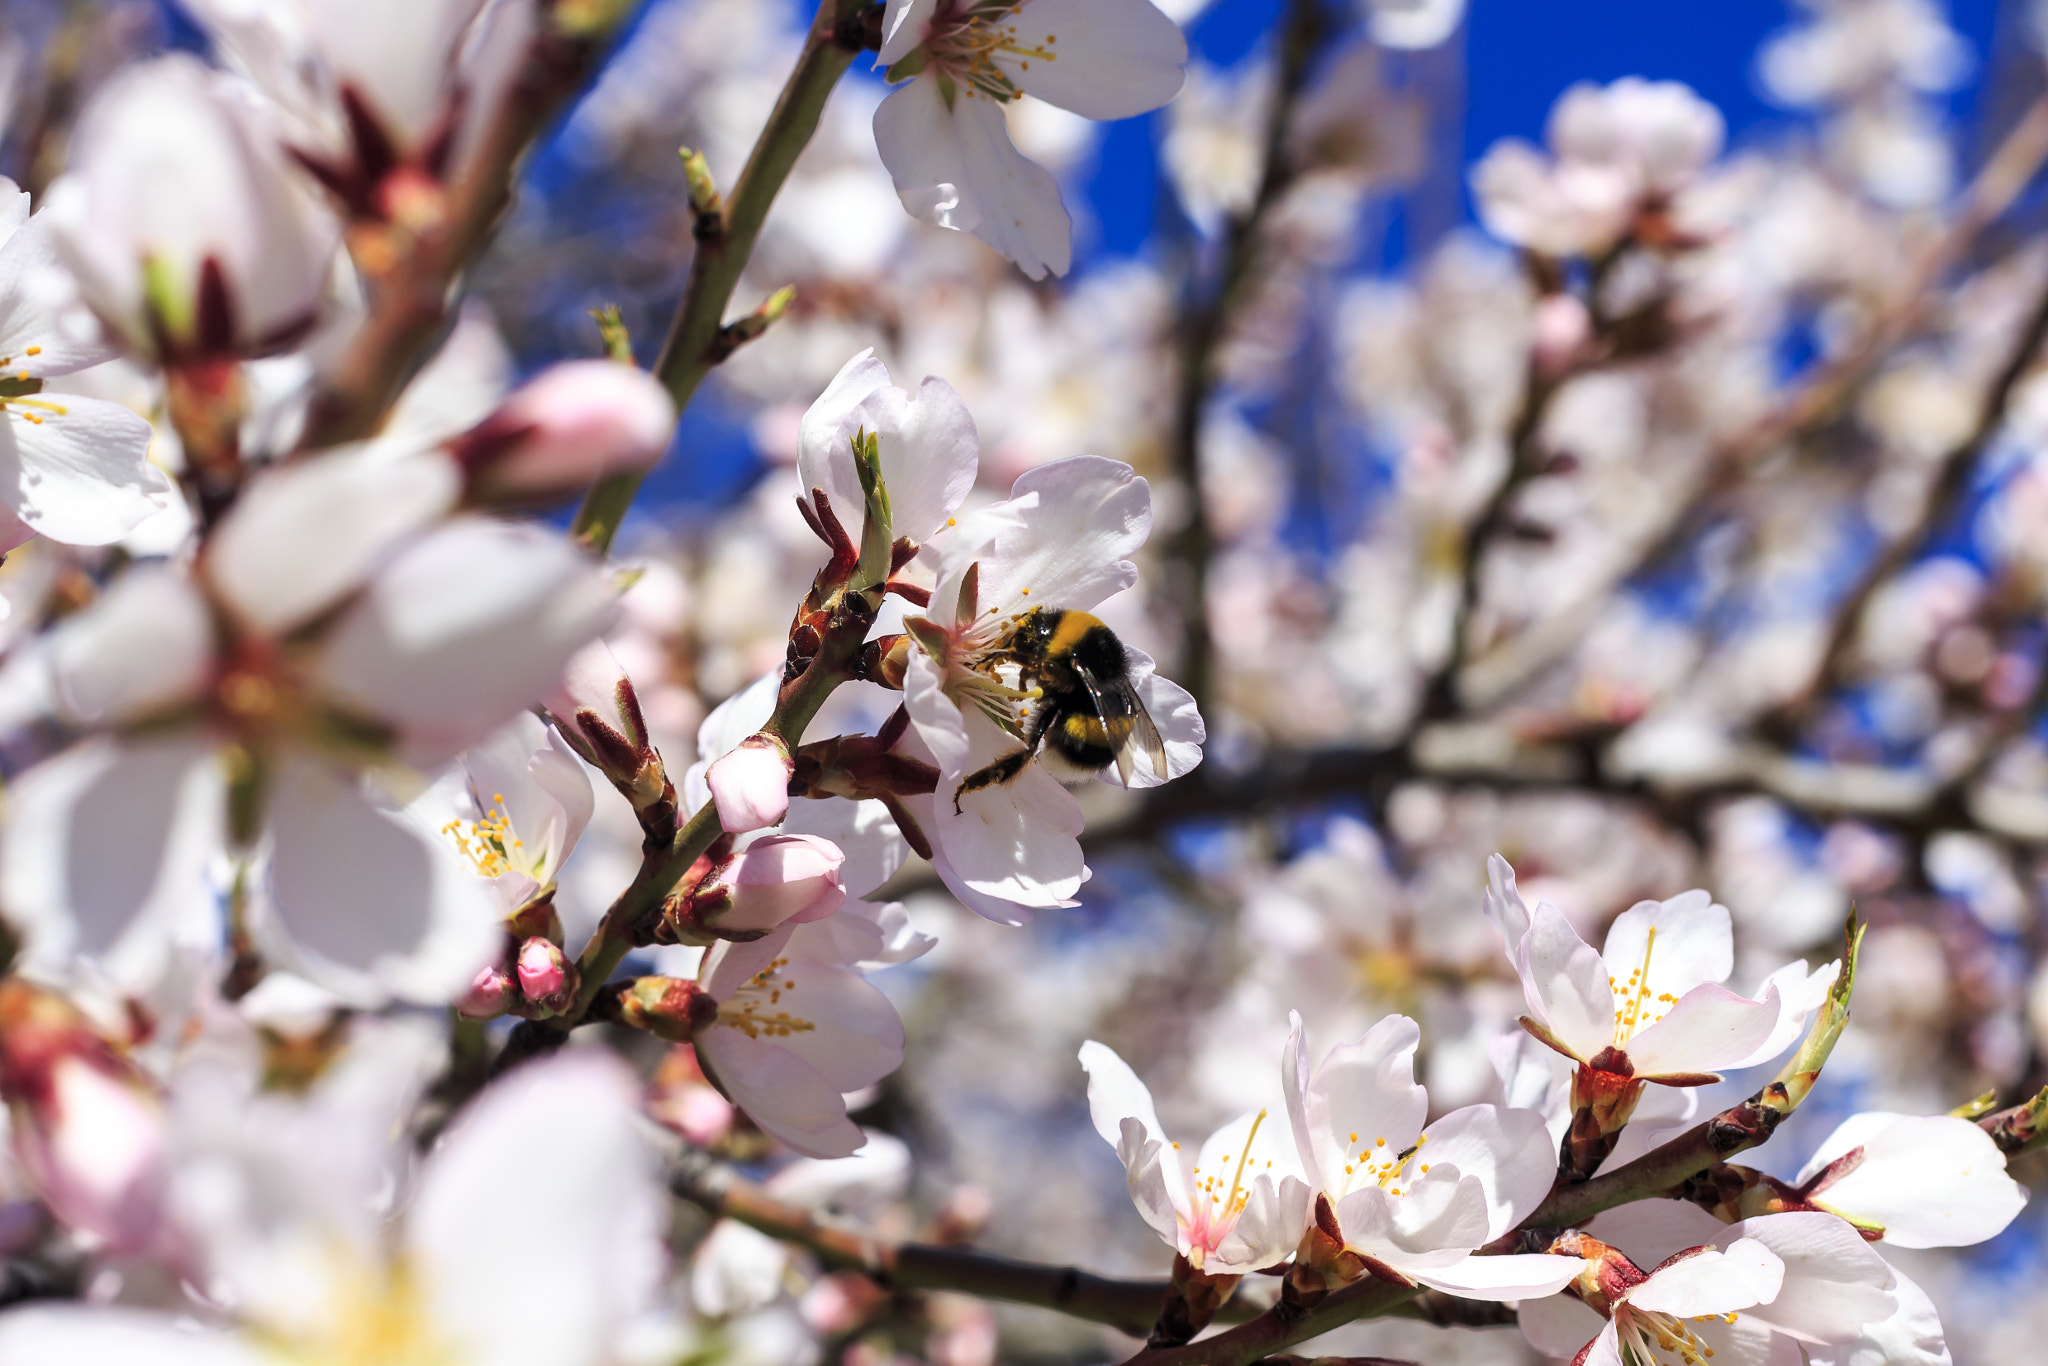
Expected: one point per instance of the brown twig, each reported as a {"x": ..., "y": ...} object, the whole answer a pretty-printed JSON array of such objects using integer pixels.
[{"x": 1201, "y": 327}]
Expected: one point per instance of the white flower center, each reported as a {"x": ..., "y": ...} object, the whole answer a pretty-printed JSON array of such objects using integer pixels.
[
  {"x": 753, "y": 1009},
  {"x": 1635, "y": 1009},
  {"x": 1214, "y": 1207},
  {"x": 1376, "y": 1163},
  {"x": 1648, "y": 1339},
  {"x": 488, "y": 842},
  {"x": 971, "y": 42}
]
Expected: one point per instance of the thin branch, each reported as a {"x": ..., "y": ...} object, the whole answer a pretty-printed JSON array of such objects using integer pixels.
[
  {"x": 1202, "y": 326},
  {"x": 1814, "y": 404},
  {"x": 697, "y": 342}
]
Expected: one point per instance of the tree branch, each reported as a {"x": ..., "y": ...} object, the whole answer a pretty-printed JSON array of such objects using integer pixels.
[{"x": 696, "y": 344}]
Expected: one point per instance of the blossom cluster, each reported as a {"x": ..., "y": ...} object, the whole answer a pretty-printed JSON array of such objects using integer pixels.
[{"x": 433, "y": 859}]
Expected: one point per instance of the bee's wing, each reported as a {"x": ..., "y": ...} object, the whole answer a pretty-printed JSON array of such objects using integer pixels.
[{"x": 1118, "y": 701}]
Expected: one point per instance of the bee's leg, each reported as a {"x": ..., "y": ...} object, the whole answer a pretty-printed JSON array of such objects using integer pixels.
[{"x": 996, "y": 774}]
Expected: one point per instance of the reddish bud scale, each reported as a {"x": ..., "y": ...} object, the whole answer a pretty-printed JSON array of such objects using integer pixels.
[{"x": 670, "y": 1008}]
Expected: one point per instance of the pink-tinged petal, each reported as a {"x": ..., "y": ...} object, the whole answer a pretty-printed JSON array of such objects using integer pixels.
[
  {"x": 77, "y": 469},
  {"x": 1559, "y": 1325},
  {"x": 123, "y": 904},
  {"x": 303, "y": 537},
  {"x": 1835, "y": 1283},
  {"x": 1929, "y": 1181},
  {"x": 782, "y": 878},
  {"x": 1516, "y": 1276},
  {"x": 558, "y": 1147},
  {"x": 1566, "y": 984},
  {"x": 146, "y": 646},
  {"x": 368, "y": 904},
  {"x": 73, "y": 1335},
  {"x": 1110, "y": 59},
  {"x": 791, "y": 1100},
  {"x": 1711, "y": 1281},
  {"x": 1366, "y": 1088},
  {"x": 750, "y": 784},
  {"x": 1710, "y": 1028},
  {"x": 957, "y": 168},
  {"x": 1077, "y": 522},
  {"x": 1504, "y": 904},
  {"x": 1676, "y": 944},
  {"x": 1509, "y": 1151},
  {"x": 465, "y": 628},
  {"x": 1247, "y": 1147},
  {"x": 865, "y": 832},
  {"x": 1172, "y": 708},
  {"x": 91, "y": 1137}
]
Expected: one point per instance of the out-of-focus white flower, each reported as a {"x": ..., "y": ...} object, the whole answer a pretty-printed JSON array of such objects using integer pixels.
[
  {"x": 1419, "y": 1200},
  {"x": 926, "y": 446},
  {"x": 1413, "y": 23},
  {"x": 1231, "y": 1209},
  {"x": 298, "y": 1249},
  {"x": 186, "y": 229},
  {"x": 1917, "y": 1180},
  {"x": 944, "y": 138},
  {"x": 797, "y": 1029},
  {"x": 1853, "y": 50},
  {"x": 562, "y": 429},
  {"x": 72, "y": 468},
  {"x": 1752, "y": 1294},
  {"x": 1059, "y": 541},
  {"x": 1649, "y": 1006},
  {"x": 382, "y": 98},
  {"x": 1617, "y": 150},
  {"x": 430, "y": 638}
]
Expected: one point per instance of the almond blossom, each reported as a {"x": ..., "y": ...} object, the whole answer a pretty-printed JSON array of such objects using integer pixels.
[
  {"x": 73, "y": 468},
  {"x": 1650, "y": 1007},
  {"x": 926, "y": 446},
  {"x": 1228, "y": 1210},
  {"x": 1913, "y": 1180},
  {"x": 1418, "y": 1201},
  {"x": 232, "y": 728},
  {"x": 944, "y": 138},
  {"x": 798, "y": 1027},
  {"x": 187, "y": 232},
  {"x": 304, "y": 1259},
  {"x": 1754, "y": 1295},
  {"x": 1059, "y": 541}
]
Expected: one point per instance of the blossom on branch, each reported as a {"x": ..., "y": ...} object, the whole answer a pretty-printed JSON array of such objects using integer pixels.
[{"x": 944, "y": 137}]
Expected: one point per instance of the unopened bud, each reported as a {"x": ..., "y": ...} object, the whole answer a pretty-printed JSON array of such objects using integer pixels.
[
  {"x": 490, "y": 995},
  {"x": 88, "y": 1127},
  {"x": 598, "y": 713},
  {"x": 751, "y": 784},
  {"x": 671, "y": 1008},
  {"x": 547, "y": 979},
  {"x": 572, "y": 423},
  {"x": 1559, "y": 332}
]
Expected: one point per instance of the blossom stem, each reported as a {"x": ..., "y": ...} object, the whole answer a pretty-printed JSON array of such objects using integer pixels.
[{"x": 696, "y": 343}]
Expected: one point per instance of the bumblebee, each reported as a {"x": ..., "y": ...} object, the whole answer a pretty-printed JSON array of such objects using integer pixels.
[{"x": 1088, "y": 714}]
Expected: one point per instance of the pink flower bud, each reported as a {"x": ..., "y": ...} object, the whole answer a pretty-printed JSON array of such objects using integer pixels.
[
  {"x": 489, "y": 996},
  {"x": 751, "y": 784},
  {"x": 547, "y": 979},
  {"x": 780, "y": 878},
  {"x": 1559, "y": 332},
  {"x": 572, "y": 423},
  {"x": 88, "y": 1128}
]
